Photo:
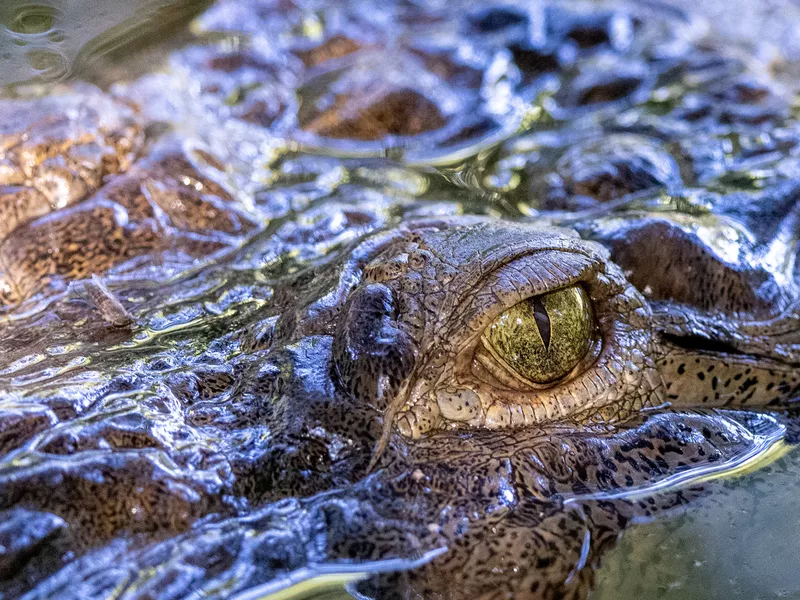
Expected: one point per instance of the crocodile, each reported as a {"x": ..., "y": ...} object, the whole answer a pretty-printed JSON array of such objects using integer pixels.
[{"x": 437, "y": 320}]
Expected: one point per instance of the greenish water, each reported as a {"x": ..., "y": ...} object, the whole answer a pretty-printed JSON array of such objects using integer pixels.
[
  {"x": 742, "y": 545},
  {"x": 740, "y": 542},
  {"x": 48, "y": 40}
]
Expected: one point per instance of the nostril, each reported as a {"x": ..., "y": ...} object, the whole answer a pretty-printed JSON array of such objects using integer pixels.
[{"x": 372, "y": 353}]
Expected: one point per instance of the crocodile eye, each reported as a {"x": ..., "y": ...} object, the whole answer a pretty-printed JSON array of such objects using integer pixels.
[{"x": 542, "y": 339}]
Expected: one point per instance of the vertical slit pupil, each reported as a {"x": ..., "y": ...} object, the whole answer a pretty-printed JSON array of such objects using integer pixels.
[{"x": 542, "y": 321}]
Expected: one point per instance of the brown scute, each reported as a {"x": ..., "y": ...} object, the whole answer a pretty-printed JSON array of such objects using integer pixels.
[
  {"x": 334, "y": 47},
  {"x": 19, "y": 204},
  {"x": 18, "y": 426},
  {"x": 144, "y": 212},
  {"x": 667, "y": 262},
  {"x": 616, "y": 165},
  {"x": 73, "y": 244},
  {"x": 131, "y": 492},
  {"x": 402, "y": 112},
  {"x": 242, "y": 83},
  {"x": 63, "y": 146},
  {"x": 192, "y": 201},
  {"x": 236, "y": 61},
  {"x": 608, "y": 91}
]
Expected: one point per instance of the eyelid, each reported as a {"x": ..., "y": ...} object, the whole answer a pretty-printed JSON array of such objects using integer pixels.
[
  {"x": 500, "y": 258},
  {"x": 540, "y": 273},
  {"x": 532, "y": 274}
]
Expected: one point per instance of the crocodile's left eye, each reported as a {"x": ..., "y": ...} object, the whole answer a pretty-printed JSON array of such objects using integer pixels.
[{"x": 542, "y": 339}]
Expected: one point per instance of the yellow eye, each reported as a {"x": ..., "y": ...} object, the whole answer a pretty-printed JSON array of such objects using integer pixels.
[{"x": 543, "y": 338}]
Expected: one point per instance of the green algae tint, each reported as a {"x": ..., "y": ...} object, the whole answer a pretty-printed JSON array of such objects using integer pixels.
[
  {"x": 742, "y": 547},
  {"x": 45, "y": 42}
]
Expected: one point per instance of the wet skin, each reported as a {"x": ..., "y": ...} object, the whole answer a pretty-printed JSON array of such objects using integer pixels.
[
  {"x": 368, "y": 360},
  {"x": 219, "y": 384}
]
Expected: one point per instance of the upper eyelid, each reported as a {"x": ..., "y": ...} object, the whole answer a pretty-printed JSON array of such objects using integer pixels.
[
  {"x": 464, "y": 311},
  {"x": 496, "y": 260},
  {"x": 568, "y": 273}
]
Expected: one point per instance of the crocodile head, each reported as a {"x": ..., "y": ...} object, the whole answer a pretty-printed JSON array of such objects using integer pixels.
[
  {"x": 450, "y": 391},
  {"x": 474, "y": 323},
  {"x": 513, "y": 392}
]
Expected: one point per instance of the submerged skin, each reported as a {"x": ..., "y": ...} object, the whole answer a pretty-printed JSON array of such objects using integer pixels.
[
  {"x": 210, "y": 385},
  {"x": 353, "y": 383},
  {"x": 74, "y": 203}
]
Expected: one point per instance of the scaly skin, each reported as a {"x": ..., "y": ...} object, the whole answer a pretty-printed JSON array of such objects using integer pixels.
[
  {"x": 224, "y": 360},
  {"x": 73, "y": 204},
  {"x": 431, "y": 294},
  {"x": 445, "y": 282}
]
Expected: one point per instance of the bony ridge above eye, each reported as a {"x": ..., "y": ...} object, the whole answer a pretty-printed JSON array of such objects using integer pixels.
[{"x": 543, "y": 338}]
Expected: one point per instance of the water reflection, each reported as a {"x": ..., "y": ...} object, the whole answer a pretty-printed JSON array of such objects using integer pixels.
[
  {"x": 47, "y": 41},
  {"x": 718, "y": 549}
]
